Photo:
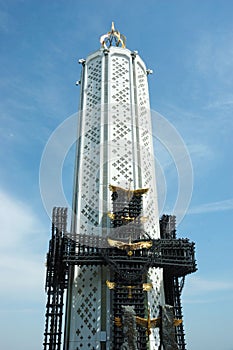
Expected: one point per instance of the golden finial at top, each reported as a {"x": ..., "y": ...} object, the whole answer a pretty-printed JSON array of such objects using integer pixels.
[
  {"x": 113, "y": 28},
  {"x": 113, "y": 37}
]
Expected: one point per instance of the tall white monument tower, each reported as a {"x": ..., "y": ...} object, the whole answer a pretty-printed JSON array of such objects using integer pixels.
[
  {"x": 114, "y": 148},
  {"x": 121, "y": 265}
]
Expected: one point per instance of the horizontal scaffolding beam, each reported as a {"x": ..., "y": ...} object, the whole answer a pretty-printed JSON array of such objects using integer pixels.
[{"x": 177, "y": 255}]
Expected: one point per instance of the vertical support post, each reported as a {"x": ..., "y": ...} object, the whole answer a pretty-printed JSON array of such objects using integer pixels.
[
  {"x": 56, "y": 280},
  {"x": 172, "y": 287}
]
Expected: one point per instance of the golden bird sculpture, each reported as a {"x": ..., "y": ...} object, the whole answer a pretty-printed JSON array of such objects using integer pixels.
[
  {"x": 148, "y": 322},
  {"x": 129, "y": 246}
]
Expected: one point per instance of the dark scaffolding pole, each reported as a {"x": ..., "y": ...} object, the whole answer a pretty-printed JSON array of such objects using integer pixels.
[
  {"x": 172, "y": 284},
  {"x": 56, "y": 282}
]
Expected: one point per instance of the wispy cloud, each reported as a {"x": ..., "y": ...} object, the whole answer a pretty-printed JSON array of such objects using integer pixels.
[
  {"x": 201, "y": 285},
  {"x": 21, "y": 263},
  {"x": 213, "y": 55},
  {"x": 17, "y": 221},
  {"x": 224, "y": 205},
  {"x": 21, "y": 272},
  {"x": 225, "y": 103},
  {"x": 198, "y": 125},
  {"x": 200, "y": 290}
]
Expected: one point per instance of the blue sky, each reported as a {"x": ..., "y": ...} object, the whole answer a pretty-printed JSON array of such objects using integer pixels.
[{"x": 189, "y": 46}]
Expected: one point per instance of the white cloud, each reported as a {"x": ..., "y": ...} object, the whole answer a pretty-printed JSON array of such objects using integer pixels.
[
  {"x": 18, "y": 222},
  {"x": 22, "y": 268},
  {"x": 212, "y": 207},
  {"x": 200, "y": 285},
  {"x": 22, "y": 277},
  {"x": 199, "y": 290}
]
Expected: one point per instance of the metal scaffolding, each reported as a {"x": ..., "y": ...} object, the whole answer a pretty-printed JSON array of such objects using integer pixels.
[
  {"x": 128, "y": 255},
  {"x": 173, "y": 284},
  {"x": 56, "y": 281}
]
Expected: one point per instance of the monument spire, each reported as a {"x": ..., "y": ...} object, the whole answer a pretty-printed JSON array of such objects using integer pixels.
[{"x": 113, "y": 37}]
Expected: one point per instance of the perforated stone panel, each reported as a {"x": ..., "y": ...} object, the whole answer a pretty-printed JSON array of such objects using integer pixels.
[
  {"x": 85, "y": 302},
  {"x": 89, "y": 214},
  {"x": 146, "y": 148},
  {"x": 120, "y": 115}
]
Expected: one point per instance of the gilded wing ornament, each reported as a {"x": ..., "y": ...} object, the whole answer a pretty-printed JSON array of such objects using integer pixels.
[
  {"x": 111, "y": 216},
  {"x": 141, "y": 321},
  {"x": 129, "y": 246},
  {"x": 141, "y": 245},
  {"x": 177, "y": 322},
  {"x": 110, "y": 285},
  {"x": 116, "y": 244},
  {"x": 146, "y": 287}
]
